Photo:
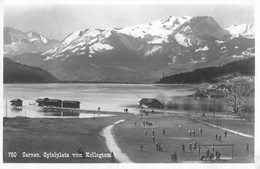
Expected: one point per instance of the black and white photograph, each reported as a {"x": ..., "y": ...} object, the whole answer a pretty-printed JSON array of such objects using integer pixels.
[{"x": 142, "y": 83}]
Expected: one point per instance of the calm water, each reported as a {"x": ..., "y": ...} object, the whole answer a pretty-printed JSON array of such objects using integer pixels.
[{"x": 109, "y": 97}]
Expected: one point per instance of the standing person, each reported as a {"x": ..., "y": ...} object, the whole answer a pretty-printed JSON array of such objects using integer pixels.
[
  {"x": 153, "y": 138},
  {"x": 190, "y": 132},
  {"x": 145, "y": 132},
  {"x": 157, "y": 146},
  {"x": 161, "y": 147},
  {"x": 208, "y": 153},
  {"x": 216, "y": 154},
  {"x": 112, "y": 156},
  {"x": 247, "y": 147},
  {"x": 193, "y": 132},
  {"x": 135, "y": 123},
  {"x": 164, "y": 131},
  {"x": 153, "y": 132},
  {"x": 141, "y": 147},
  {"x": 200, "y": 130},
  {"x": 183, "y": 147},
  {"x": 213, "y": 148},
  {"x": 225, "y": 133},
  {"x": 216, "y": 136},
  {"x": 195, "y": 145},
  {"x": 143, "y": 123},
  {"x": 190, "y": 146},
  {"x": 219, "y": 138}
]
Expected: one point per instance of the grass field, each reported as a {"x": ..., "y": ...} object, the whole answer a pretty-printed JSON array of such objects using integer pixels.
[
  {"x": 129, "y": 138},
  {"x": 36, "y": 135},
  {"x": 66, "y": 135}
]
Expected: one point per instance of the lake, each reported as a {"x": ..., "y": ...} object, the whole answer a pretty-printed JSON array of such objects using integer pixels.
[{"x": 109, "y": 97}]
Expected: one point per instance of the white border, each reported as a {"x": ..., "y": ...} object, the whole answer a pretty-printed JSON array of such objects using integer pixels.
[{"x": 136, "y": 165}]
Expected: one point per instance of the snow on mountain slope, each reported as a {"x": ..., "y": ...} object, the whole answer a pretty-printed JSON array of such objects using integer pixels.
[
  {"x": 17, "y": 42},
  {"x": 205, "y": 48},
  {"x": 91, "y": 40},
  {"x": 244, "y": 30},
  {"x": 154, "y": 49},
  {"x": 143, "y": 52},
  {"x": 182, "y": 39},
  {"x": 99, "y": 47},
  {"x": 160, "y": 28},
  {"x": 79, "y": 42}
]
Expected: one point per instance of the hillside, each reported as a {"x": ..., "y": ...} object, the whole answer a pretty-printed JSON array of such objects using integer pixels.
[
  {"x": 213, "y": 74},
  {"x": 18, "y": 73},
  {"x": 144, "y": 53}
]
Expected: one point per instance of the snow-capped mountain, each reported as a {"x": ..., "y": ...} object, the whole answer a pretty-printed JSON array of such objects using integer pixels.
[
  {"x": 244, "y": 30},
  {"x": 143, "y": 53},
  {"x": 17, "y": 42}
]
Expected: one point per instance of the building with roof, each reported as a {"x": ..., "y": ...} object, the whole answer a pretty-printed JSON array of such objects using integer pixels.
[
  {"x": 49, "y": 102},
  {"x": 71, "y": 104},
  {"x": 42, "y": 102},
  {"x": 150, "y": 103},
  {"x": 58, "y": 103},
  {"x": 16, "y": 103}
]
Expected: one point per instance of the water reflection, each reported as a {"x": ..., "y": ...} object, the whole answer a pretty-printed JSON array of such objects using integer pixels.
[
  {"x": 109, "y": 97},
  {"x": 41, "y": 112}
]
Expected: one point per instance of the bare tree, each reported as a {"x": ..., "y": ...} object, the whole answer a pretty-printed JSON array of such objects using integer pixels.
[
  {"x": 237, "y": 94},
  {"x": 162, "y": 99}
]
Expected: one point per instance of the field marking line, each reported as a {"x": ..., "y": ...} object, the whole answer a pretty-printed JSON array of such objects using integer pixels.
[
  {"x": 112, "y": 145},
  {"x": 231, "y": 131}
]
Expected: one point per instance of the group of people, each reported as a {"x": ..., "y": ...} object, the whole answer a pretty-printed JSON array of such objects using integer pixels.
[
  {"x": 153, "y": 132},
  {"x": 158, "y": 145},
  {"x": 210, "y": 155},
  {"x": 146, "y": 113},
  {"x": 146, "y": 123},
  {"x": 218, "y": 137},
  {"x": 192, "y": 132}
]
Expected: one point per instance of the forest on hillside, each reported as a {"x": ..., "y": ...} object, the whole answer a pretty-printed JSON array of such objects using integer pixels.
[{"x": 212, "y": 74}]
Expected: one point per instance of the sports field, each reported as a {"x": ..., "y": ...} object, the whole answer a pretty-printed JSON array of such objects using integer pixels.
[{"x": 130, "y": 136}]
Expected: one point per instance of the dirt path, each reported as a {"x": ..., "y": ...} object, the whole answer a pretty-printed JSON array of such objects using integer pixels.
[{"x": 112, "y": 145}]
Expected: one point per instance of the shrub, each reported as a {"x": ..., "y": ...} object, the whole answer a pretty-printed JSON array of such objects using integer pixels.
[
  {"x": 187, "y": 104},
  {"x": 173, "y": 105}
]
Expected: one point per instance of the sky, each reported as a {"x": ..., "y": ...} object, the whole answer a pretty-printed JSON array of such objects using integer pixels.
[{"x": 57, "y": 21}]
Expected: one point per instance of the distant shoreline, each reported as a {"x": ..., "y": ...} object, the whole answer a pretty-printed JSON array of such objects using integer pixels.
[{"x": 87, "y": 82}]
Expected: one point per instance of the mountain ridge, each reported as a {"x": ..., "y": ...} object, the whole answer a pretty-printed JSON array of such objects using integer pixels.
[
  {"x": 143, "y": 52},
  {"x": 19, "y": 42}
]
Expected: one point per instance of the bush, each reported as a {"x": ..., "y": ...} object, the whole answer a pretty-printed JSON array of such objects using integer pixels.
[
  {"x": 220, "y": 106},
  {"x": 187, "y": 104},
  {"x": 203, "y": 105},
  {"x": 173, "y": 105},
  {"x": 212, "y": 105}
]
